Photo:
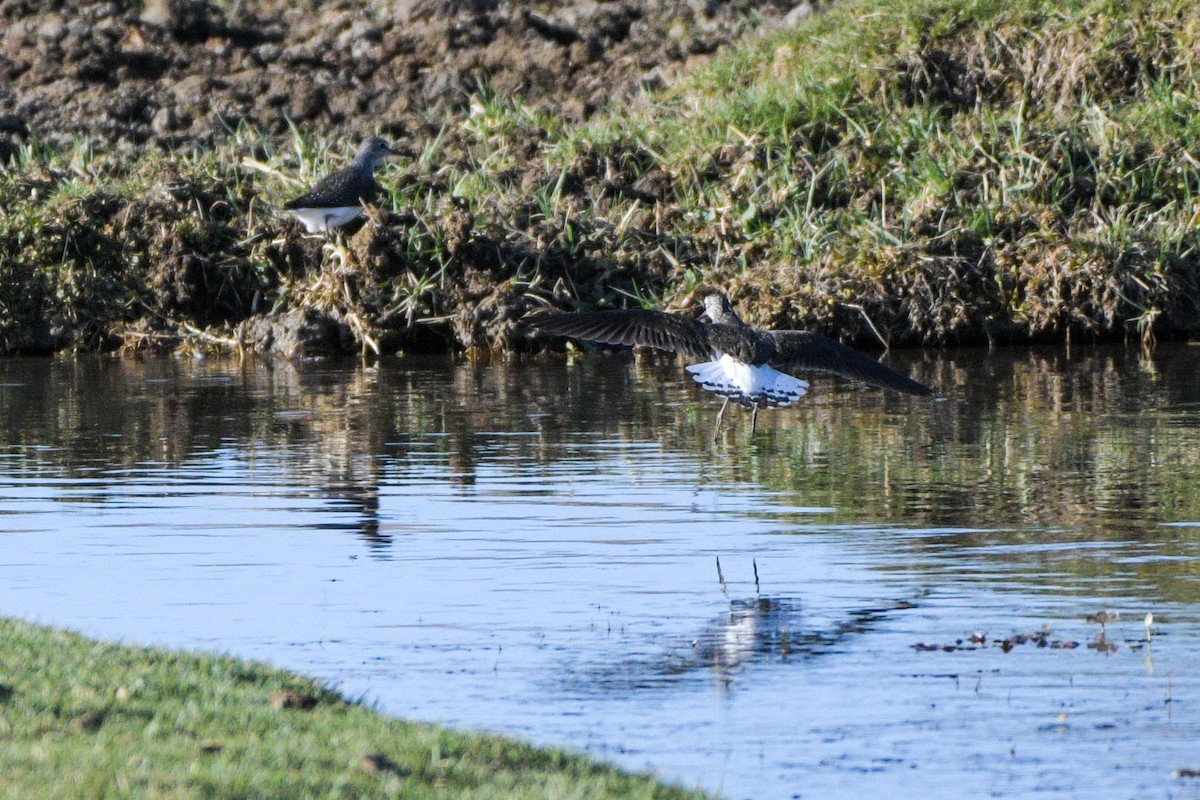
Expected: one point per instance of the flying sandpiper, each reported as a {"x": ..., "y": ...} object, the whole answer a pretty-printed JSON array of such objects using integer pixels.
[{"x": 739, "y": 362}]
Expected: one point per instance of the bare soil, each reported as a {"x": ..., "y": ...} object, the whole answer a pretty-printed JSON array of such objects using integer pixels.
[{"x": 170, "y": 73}]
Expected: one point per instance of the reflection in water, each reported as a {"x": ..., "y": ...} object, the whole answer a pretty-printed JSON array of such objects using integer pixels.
[
  {"x": 1103, "y": 445},
  {"x": 542, "y": 532},
  {"x": 757, "y": 630}
]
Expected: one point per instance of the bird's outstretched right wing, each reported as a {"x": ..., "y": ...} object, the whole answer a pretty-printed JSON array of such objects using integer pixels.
[
  {"x": 807, "y": 351},
  {"x": 656, "y": 329}
]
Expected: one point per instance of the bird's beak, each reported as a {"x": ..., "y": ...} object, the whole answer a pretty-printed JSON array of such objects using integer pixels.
[{"x": 704, "y": 317}]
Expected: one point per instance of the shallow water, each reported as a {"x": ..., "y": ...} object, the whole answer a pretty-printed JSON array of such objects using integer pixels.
[{"x": 561, "y": 551}]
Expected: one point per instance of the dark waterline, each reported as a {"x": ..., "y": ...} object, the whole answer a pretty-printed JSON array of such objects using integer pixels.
[{"x": 531, "y": 546}]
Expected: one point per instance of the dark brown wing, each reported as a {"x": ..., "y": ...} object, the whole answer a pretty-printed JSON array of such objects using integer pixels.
[
  {"x": 346, "y": 187},
  {"x": 655, "y": 329},
  {"x": 799, "y": 351}
]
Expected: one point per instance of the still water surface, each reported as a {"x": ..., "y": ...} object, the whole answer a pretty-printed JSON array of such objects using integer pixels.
[{"x": 531, "y": 546}]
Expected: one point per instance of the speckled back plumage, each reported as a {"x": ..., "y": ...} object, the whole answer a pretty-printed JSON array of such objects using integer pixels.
[{"x": 350, "y": 186}]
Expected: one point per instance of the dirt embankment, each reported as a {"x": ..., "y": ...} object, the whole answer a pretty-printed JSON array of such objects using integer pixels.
[
  {"x": 174, "y": 75},
  {"x": 182, "y": 72},
  {"x": 912, "y": 174}
]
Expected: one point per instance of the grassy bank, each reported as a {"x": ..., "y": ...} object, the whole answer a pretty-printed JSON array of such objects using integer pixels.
[
  {"x": 955, "y": 170},
  {"x": 82, "y": 718},
  {"x": 938, "y": 171}
]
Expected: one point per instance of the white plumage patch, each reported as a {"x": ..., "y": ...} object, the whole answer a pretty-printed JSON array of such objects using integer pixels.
[
  {"x": 323, "y": 220},
  {"x": 747, "y": 385}
]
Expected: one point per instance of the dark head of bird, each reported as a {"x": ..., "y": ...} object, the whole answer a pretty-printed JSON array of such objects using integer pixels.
[
  {"x": 719, "y": 311},
  {"x": 371, "y": 152}
]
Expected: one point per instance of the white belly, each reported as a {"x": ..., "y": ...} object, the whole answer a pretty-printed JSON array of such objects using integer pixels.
[
  {"x": 747, "y": 385},
  {"x": 323, "y": 220}
]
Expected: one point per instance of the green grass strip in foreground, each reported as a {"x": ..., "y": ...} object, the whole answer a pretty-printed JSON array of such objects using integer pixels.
[{"x": 81, "y": 718}]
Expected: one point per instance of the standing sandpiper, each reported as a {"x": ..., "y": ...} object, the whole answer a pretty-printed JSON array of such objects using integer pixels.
[
  {"x": 740, "y": 362},
  {"x": 340, "y": 197}
]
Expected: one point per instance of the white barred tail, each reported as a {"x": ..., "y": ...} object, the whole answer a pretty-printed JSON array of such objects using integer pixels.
[{"x": 748, "y": 385}]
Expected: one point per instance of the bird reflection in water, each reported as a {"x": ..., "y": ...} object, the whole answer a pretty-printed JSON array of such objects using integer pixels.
[
  {"x": 767, "y": 629},
  {"x": 754, "y": 630},
  {"x": 763, "y": 629}
]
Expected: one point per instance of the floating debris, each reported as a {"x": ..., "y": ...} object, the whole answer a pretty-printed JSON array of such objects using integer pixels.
[
  {"x": 1060, "y": 725},
  {"x": 1102, "y": 618},
  {"x": 1044, "y": 638},
  {"x": 980, "y": 641}
]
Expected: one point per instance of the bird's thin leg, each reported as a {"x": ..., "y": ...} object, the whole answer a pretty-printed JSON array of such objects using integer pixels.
[
  {"x": 721, "y": 413},
  {"x": 341, "y": 251},
  {"x": 753, "y": 418}
]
